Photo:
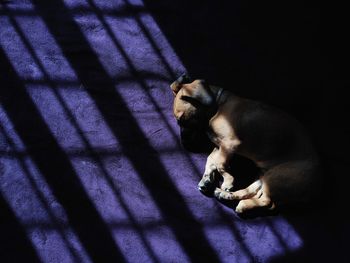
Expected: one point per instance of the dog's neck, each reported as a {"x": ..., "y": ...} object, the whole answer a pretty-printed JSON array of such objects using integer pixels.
[{"x": 216, "y": 93}]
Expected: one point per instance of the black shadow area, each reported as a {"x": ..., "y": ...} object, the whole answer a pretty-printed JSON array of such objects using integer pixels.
[
  {"x": 55, "y": 167},
  {"x": 283, "y": 53},
  {"x": 143, "y": 157},
  {"x": 15, "y": 245},
  {"x": 291, "y": 55}
]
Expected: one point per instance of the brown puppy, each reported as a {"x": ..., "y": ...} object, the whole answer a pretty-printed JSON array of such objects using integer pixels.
[{"x": 275, "y": 141}]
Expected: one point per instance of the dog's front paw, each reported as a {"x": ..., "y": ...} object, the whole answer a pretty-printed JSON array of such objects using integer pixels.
[
  {"x": 206, "y": 186},
  {"x": 218, "y": 193},
  {"x": 224, "y": 195},
  {"x": 208, "y": 183}
]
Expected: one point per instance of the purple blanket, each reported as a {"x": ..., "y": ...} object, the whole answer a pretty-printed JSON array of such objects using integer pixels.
[{"x": 92, "y": 169}]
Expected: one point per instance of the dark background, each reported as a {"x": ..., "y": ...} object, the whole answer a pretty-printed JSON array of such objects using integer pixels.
[{"x": 289, "y": 54}]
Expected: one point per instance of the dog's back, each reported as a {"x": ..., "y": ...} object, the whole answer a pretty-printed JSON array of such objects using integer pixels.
[
  {"x": 267, "y": 134},
  {"x": 279, "y": 145}
]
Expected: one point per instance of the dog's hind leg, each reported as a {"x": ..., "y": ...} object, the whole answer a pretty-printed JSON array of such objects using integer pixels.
[
  {"x": 254, "y": 196},
  {"x": 263, "y": 201},
  {"x": 252, "y": 190}
]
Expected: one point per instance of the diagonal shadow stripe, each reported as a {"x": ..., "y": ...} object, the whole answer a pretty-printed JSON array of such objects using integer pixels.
[
  {"x": 90, "y": 150},
  {"x": 147, "y": 34},
  {"x": 15, "y": 245},
  {"x": 56, "y": 224},
  {"x": 56, "y": 167},
  {"x": 144, "y": 158}
]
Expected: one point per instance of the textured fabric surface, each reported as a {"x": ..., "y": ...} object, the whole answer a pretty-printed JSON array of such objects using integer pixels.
[{"x": 92, "y": 169}]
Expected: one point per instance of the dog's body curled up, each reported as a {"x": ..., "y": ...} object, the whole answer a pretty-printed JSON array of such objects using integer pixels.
[{"x": 275, "y": 141}]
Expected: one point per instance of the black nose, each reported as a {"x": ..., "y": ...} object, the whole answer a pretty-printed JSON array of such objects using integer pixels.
[{"x": 184, "y": 79}]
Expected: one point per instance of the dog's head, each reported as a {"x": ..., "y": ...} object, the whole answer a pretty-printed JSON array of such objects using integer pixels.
[{"x": 194, "y": 104}]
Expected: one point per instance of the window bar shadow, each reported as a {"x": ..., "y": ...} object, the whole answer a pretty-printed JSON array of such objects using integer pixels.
[
  {"x": 56, "y": 167},
  {"x": 147, "y": 165},
  {"x": 90, "y": 151},
  {"x": 149, "y": 37},
  {"x": 40, "y": 196}
]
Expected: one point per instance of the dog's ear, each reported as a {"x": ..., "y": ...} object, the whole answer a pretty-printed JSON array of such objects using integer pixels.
[
  {"x": 200, "y": 93},
  {"x": 177, "y": 84}
]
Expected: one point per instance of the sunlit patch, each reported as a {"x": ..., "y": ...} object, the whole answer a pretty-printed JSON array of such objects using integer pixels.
[
  {"x": 95, "y": 137},
  {"x": 270, "y": 236},
  {"x": 161, "y": 239}
]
